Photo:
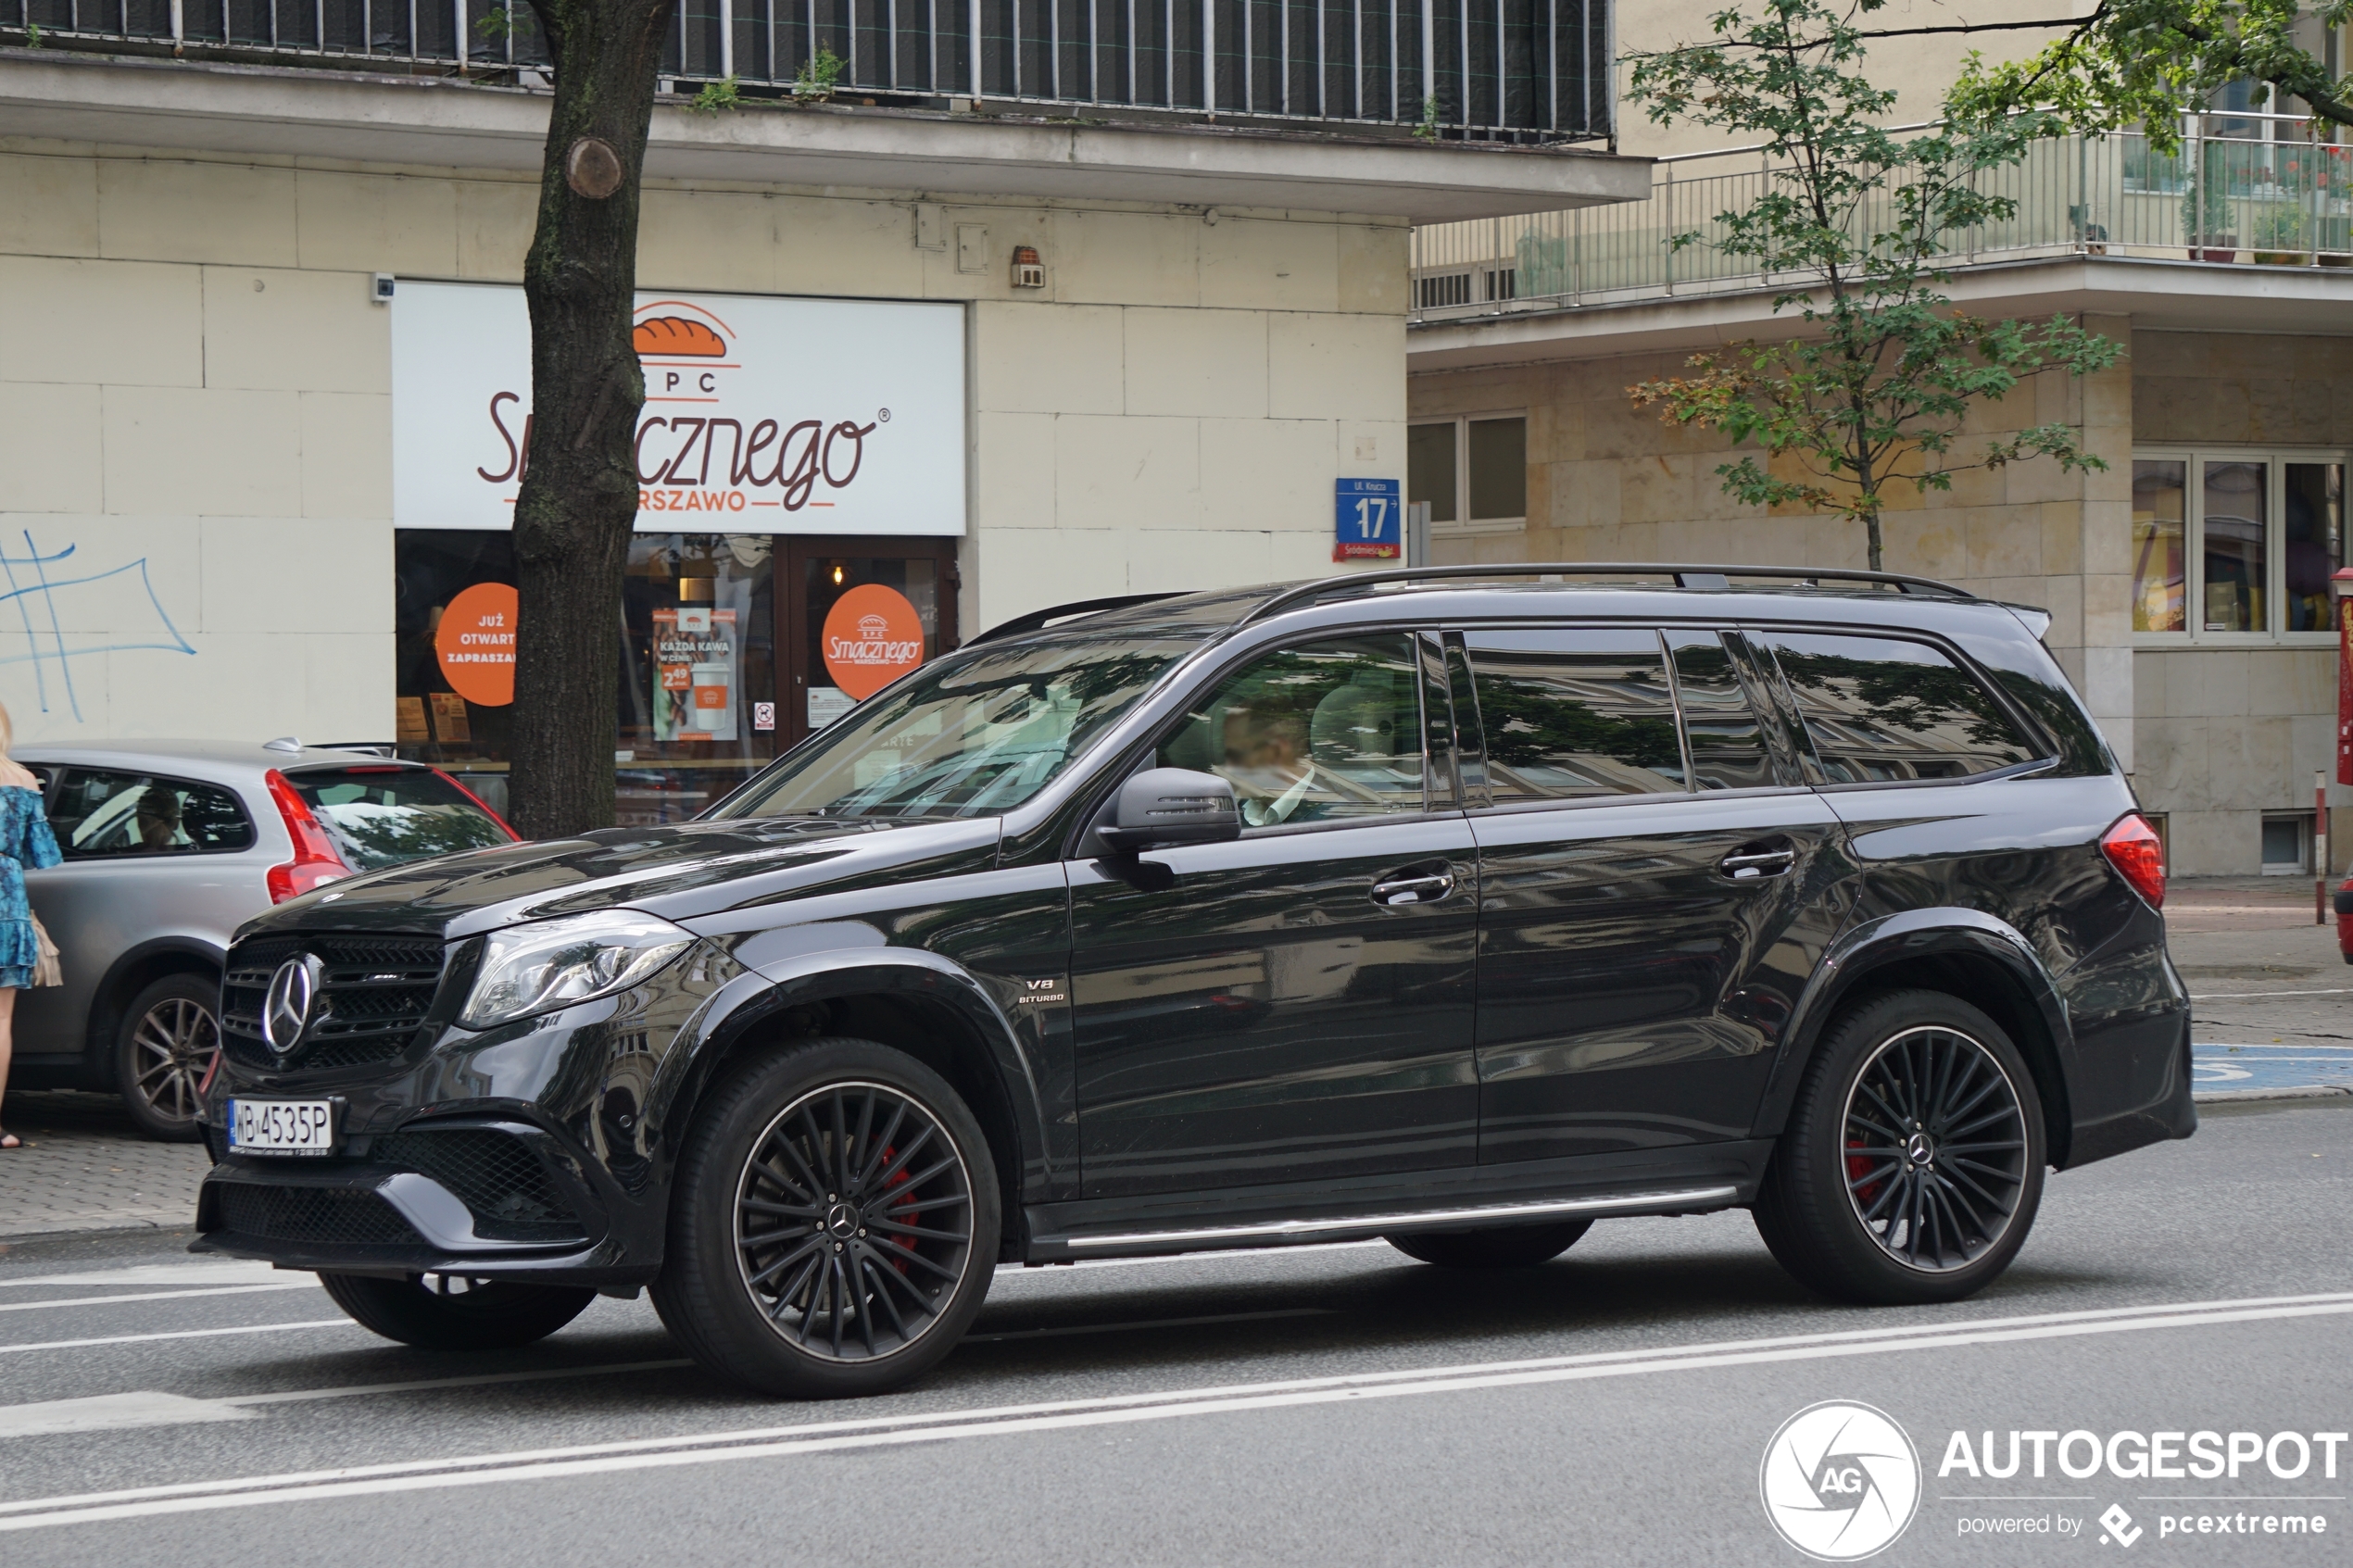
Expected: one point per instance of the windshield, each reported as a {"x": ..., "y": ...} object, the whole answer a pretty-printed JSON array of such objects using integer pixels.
[
  {"x": 973, "y": 734},
  {"x": 384, "y": 816}
]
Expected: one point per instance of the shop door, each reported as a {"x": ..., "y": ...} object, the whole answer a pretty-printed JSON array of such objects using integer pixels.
[{"x": 856, "y": 614}]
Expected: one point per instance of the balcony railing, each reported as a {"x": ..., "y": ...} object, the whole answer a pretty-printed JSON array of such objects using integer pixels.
[
  {"x": 1521, "y": 70},
  {"x": 2244, "y": 187}
]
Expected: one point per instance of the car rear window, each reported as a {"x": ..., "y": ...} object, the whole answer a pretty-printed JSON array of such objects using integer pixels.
[
  {"x": 387, "y": 816},
  {"x": 1882, "y": 709}
]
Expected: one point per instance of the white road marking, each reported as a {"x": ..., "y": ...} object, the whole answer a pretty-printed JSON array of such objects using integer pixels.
[
  {"x": 106, "y": 1411},
  {"x": 305, "y": 1283},
  {"x": 535, "y": 1376},
  {"x": 226, "y": 1271},
  {"x": 2253, "y": 996},
  {"x": 1152, "y": 1322},
  {"x": 179, "y": 1333},
  {"x": 948, "y": 1425}
]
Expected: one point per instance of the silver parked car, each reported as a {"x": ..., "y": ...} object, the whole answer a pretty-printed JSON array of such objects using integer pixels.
[{"x": 169, "y": 845}]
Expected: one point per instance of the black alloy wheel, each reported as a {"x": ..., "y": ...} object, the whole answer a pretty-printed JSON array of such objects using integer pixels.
[
  {"x": 1498, "y": 1247},
  {"x": 835, "y": 1223},
  {"x": 1935, "y": 1149},
  {"x": 169, "y": 1036},
  {"x": 1912, "y": 1166},
  {"x": 455, "y": 1312}
]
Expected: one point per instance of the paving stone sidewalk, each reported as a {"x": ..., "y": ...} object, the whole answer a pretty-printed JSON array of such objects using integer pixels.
[{"x": 84, "y": 1168}]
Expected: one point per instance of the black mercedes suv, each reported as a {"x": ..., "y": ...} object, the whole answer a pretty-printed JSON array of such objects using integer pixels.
[{"x": 1438, "y": 906}]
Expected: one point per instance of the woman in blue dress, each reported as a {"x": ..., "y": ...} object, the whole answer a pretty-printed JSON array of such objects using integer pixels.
[{"x": 25, "y": 841}]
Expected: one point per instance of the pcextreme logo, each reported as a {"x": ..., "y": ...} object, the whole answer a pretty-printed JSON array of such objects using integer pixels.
[
  {"x": 762, "y": 413},
  {"x": 1840, "y": 1481}
]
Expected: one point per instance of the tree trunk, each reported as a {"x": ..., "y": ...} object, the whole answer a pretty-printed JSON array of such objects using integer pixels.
[
  {"x": 579, "y": 496},
  {"x": 1871, "y": 532}
]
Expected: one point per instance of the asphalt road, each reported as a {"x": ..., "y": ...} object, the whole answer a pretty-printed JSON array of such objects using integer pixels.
[{"x": 1333, "y": 1405}]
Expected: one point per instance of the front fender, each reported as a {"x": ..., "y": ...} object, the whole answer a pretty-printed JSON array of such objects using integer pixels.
[
  {"x": 1872, "y": 946},
  {"x": 807, "y": 966}
]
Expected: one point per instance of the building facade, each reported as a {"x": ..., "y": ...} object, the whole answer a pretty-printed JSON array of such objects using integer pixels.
[{"x": 914, "y": 368}]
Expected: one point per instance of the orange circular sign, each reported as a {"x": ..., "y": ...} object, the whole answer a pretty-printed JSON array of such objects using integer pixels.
[
  {"x": 476, "y": 644},
  {"x": 873, "y": 636}
]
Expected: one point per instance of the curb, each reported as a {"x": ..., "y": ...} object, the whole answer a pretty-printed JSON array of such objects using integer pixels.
[
  {"x": 2316, "y": 1091},
  {"x": 151, "y": 1227}
]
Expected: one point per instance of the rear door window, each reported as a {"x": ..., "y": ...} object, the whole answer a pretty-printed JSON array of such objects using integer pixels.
[
  {"x": 1725, "y": 738},
  {"x": 387, "y": 816},
  {"x": 1886, "y": 709},
  {"x": 1573, "y": 713},
  {"x": 98, "y": 813}
]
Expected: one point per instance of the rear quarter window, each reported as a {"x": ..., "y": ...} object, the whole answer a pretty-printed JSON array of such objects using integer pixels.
[
  {"x": 388, "y": 816},
  {"x": 1888, "y": 710}
]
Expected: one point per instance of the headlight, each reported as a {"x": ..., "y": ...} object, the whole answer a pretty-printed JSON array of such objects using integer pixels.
[{"x": 554, "y": 963}]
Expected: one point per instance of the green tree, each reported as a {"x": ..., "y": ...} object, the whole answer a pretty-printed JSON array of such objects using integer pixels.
[
  {"x": 1874, "y": 391},
  {"x": 578, "y": 502},
  {"x": 2144, "y": 62}
]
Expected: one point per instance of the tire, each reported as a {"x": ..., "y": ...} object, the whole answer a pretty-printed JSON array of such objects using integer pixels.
[
  {"x": 771, "y": 1278},
  {"x": 164, "y": 1047},
  {"x": 451, "y": 1312},
  {"x": 1937, "y": 1209},
  {"x": 1505, "y": 1247}
]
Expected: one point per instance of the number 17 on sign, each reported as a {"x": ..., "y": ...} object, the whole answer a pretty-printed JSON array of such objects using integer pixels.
[{"x": 1368, "y": 519}]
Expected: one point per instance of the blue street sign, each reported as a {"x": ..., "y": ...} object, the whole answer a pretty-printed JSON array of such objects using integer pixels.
[{"x": 1368, "y": 520}]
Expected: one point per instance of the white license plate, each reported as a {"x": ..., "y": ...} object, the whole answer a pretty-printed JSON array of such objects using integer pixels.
[{"x": 281, "y": 1127}]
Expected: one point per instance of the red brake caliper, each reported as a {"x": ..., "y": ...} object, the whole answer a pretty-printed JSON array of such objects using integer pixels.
[{"x": 1857, "y": 1167}]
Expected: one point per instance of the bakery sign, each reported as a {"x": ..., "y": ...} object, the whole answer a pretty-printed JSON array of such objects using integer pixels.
[{"x": 762, "y": 415}]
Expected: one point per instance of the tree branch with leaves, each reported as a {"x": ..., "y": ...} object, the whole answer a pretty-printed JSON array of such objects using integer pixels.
[{"x": 1875, "y": 392}]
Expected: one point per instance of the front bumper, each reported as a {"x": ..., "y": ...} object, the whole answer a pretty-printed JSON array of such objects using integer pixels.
[{"x": 536, "y": 1151}]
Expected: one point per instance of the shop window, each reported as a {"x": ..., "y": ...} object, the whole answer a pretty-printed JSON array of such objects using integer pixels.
[
  {"x": 1473, "y": 471},
  {"x": 2236, "y": 547}
]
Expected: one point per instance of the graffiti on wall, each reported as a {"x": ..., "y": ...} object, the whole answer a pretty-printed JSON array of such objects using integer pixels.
[{"x": 67, "y": 611}]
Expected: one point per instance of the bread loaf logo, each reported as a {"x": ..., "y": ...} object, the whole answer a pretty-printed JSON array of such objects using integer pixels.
[
  {"x": 872, "y": 635},
  {"x": 700, "y": 447}
]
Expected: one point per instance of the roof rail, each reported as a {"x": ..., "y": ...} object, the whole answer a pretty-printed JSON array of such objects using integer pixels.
[
  {"x": 1037, "y": 619},
  {"x": 1700, "y": 577}
]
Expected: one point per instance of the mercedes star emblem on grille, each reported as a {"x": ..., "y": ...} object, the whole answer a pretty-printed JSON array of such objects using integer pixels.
[{"x": 292, "y": 990}]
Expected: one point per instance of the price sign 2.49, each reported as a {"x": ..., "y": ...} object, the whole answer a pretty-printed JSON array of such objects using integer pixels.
[{"x": 1368, "y": 519}]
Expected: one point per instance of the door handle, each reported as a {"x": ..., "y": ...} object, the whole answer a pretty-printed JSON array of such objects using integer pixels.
[
  {"x": 1750, "y": 863},
  {"x": 1427, "y": 889}
]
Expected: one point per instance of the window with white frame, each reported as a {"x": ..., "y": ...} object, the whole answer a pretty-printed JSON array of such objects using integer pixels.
[
  {"x": 1472, "y": 470},
  {"x": 2234, "y": 545}
]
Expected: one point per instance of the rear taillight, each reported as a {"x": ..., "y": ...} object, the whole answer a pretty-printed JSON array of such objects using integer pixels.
[
  {"x": 315, "y": 864},
  {"x": 451, "y": 780},
  {"x": 2138, "y": 855}
]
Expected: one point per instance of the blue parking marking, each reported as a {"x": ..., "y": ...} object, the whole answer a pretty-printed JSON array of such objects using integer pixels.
[{"x": 2226, "y": 1069}]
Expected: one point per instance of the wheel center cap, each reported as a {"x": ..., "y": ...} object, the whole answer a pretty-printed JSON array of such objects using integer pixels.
[
  {"x": 1920, "y": 1150},
  {"x": 841, "y": 1221}
]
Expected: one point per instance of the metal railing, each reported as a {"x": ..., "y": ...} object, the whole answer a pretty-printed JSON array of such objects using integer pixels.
[
  {"x": 2243, "y": 187},
  {"x": 1526, "y": 70}
]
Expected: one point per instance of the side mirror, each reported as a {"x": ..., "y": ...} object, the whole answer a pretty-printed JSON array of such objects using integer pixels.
[{"x": 1164, "y": 807}]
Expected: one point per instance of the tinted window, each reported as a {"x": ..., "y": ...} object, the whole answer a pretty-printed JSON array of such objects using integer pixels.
[
  {"x": 1727, "y": 741},
  {"x": 971, "y": 735},
  {"x": 1322, "y": 731},
  {"x": 98, "y": 813},
  {"x": 1881, "y": 709},
  {"x": 1569, "y": 714},
  {"x": 386, "y": 816}
]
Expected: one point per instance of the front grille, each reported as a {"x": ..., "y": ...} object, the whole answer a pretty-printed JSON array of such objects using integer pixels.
[
  {"x": 326, "y": 1216},
  {"x": 494, "y": 1175},
  {"x": 373, "y": 995}
]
